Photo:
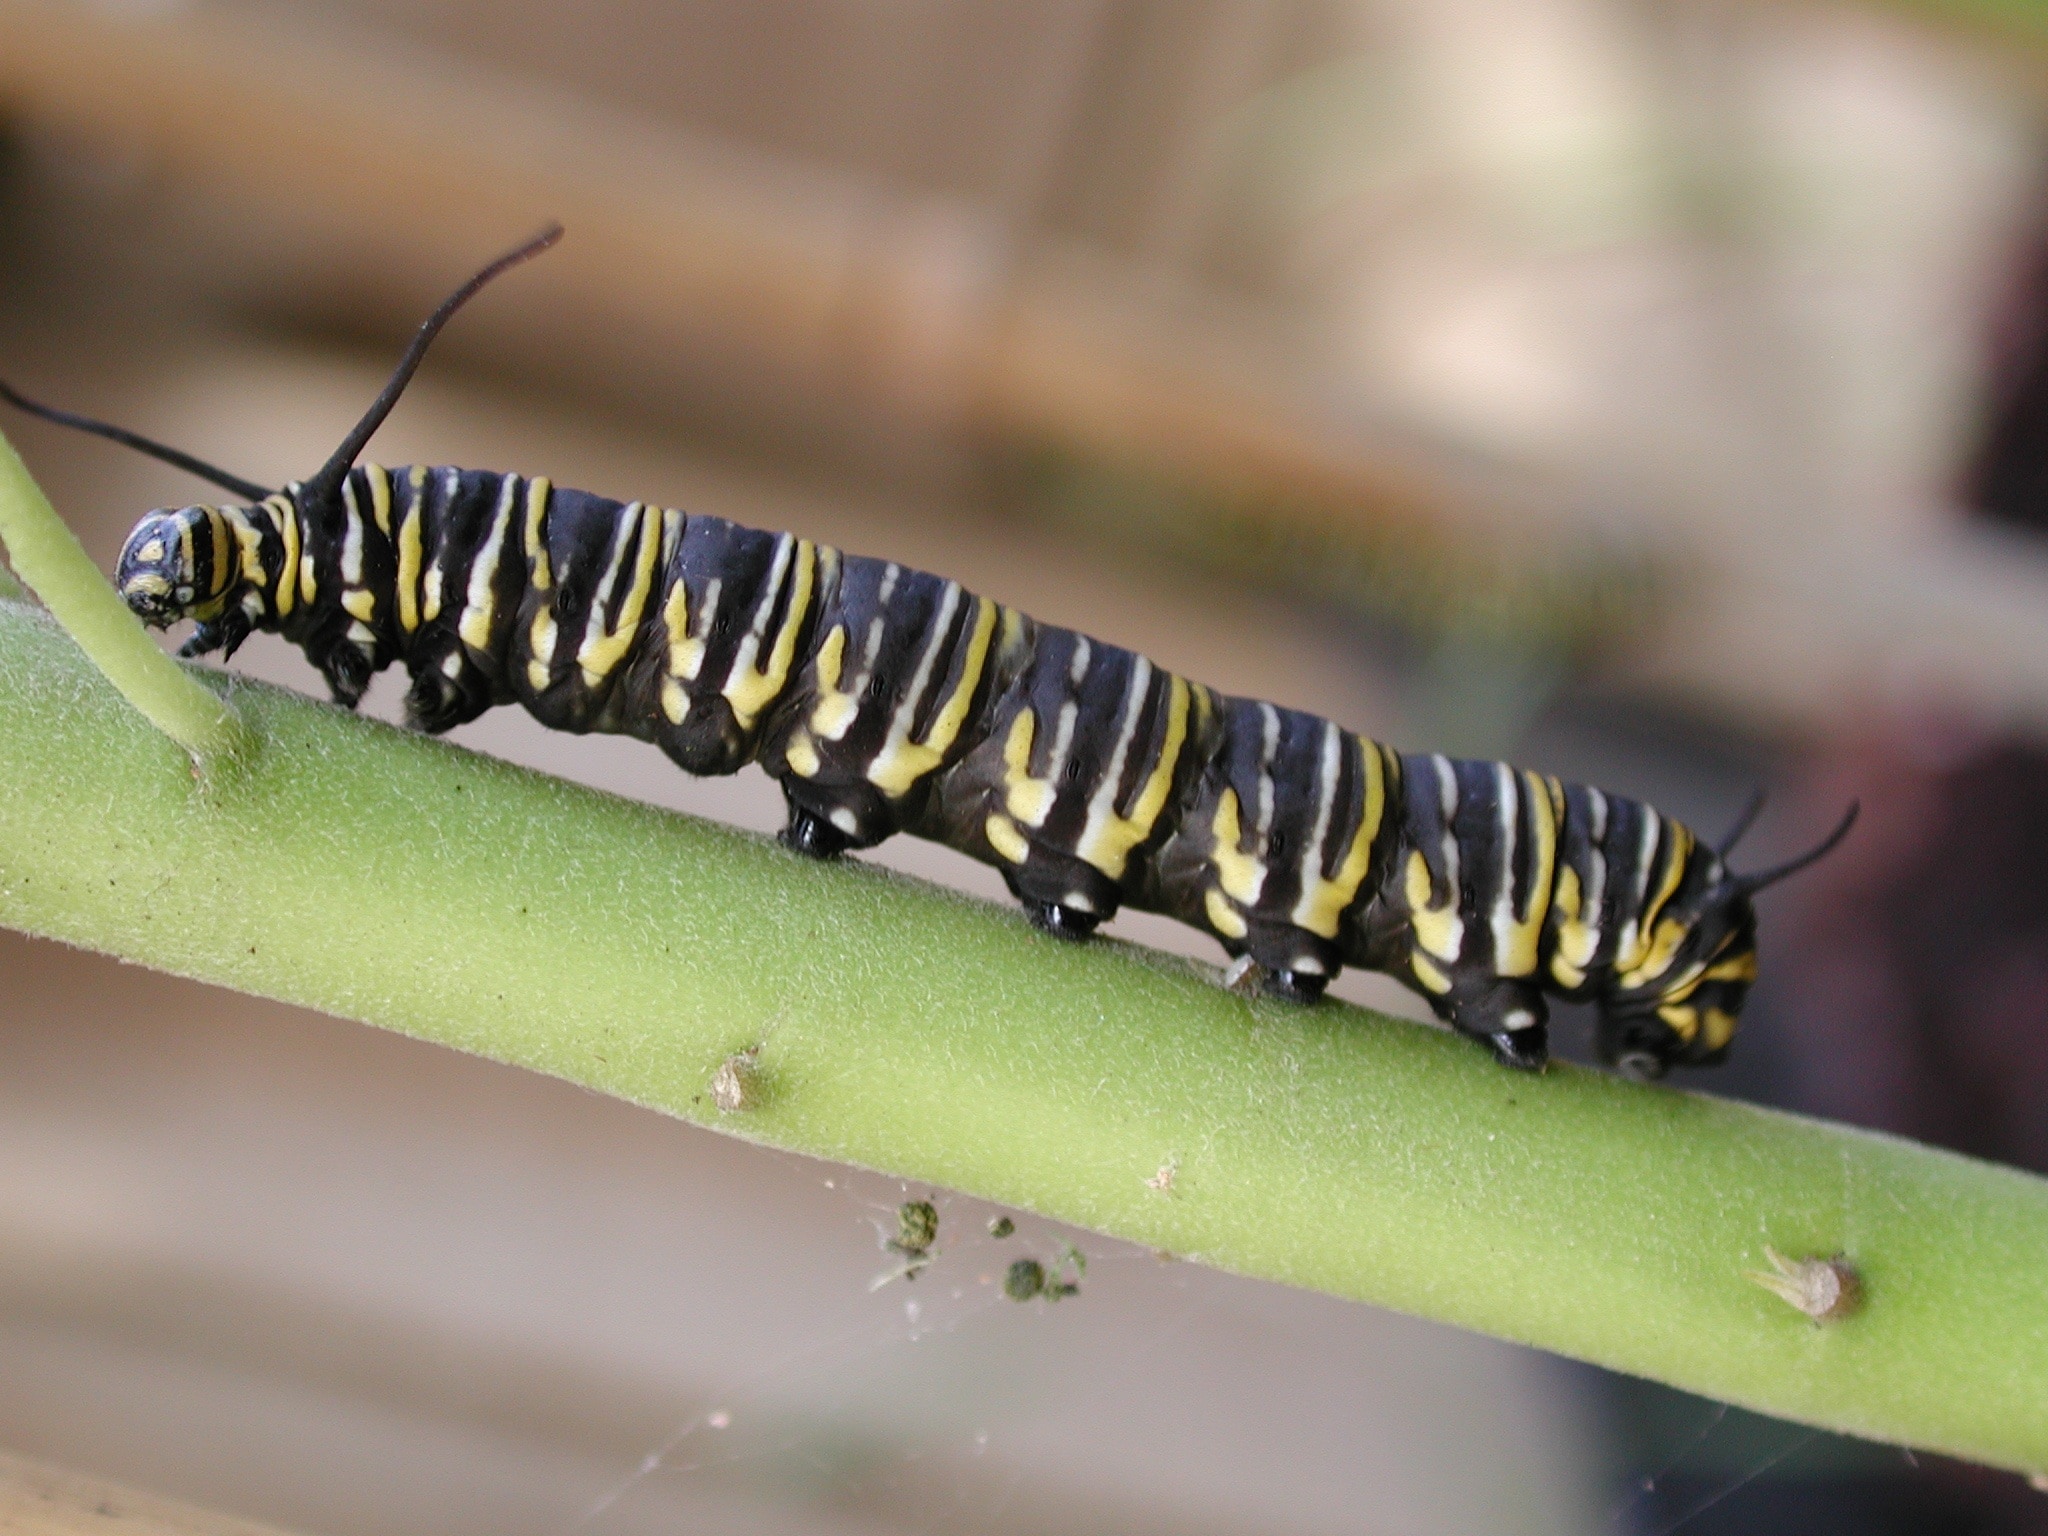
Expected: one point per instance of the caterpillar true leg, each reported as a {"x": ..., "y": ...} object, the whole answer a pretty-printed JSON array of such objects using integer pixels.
[
  {"x": 348, "y": 674},
  {"x": 224, "y": 634}
]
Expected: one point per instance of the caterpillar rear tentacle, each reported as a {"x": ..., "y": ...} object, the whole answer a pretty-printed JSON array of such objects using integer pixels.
[{"x": 887, "y": 700}]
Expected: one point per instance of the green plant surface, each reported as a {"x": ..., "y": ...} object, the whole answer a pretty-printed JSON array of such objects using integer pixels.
[
  {"x": 49, "y": 559},
  {"x": 401, "y": 881}
]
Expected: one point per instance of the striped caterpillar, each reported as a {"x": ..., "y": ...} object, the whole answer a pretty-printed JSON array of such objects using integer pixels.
[{"x": 886, "y": 700}]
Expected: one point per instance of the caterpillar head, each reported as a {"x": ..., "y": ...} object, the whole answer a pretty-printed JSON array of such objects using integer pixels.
[
  {"x": 178, "y": 563},
  {"x": 1689, "y": 1015},
  {"x": 1686, "y": 1013}
]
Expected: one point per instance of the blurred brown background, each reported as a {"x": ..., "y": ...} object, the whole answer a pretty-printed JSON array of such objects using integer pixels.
[{"x": 1653, "y": 390}]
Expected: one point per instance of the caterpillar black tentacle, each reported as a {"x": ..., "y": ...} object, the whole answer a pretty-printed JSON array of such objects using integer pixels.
[
  {"x": 884, "y": 699},
  {"x": 247, "y": 489},
  {"x": 1744, "y": 820}
]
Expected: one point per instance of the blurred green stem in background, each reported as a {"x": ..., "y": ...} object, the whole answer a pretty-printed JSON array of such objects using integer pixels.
[
  {"x": 2024, "y": 22},
  {"x": 49, "y": 559},
  {"x": 402, "y": 881}
]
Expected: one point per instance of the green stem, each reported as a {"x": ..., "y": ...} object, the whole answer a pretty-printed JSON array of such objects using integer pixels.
[
  {"x": 47, "y": 556},
  {"x": 401, "y": 881}
]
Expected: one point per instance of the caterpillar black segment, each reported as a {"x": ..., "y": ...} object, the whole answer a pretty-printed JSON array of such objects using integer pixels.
[{"x": 884, "y": 699}]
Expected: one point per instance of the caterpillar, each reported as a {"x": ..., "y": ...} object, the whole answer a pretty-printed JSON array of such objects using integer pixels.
[{"x": 884, "y": 699}]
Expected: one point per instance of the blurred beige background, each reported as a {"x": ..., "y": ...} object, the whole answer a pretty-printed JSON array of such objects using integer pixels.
[{"x": 1584, "y": 378}]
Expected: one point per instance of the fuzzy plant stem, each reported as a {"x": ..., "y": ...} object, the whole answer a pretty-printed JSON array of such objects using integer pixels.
[
  {"x": 849, "y": 1013},
  {"x": 50, "y": 560}
]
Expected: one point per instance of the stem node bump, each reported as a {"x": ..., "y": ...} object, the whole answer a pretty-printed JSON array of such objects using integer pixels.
[{"x": 1824, "y": 1289}]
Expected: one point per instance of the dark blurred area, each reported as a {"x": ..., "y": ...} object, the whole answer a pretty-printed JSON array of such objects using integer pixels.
[
  {"x": 1921, "y": 960},
  {"x": 1656, "y": 393}
]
